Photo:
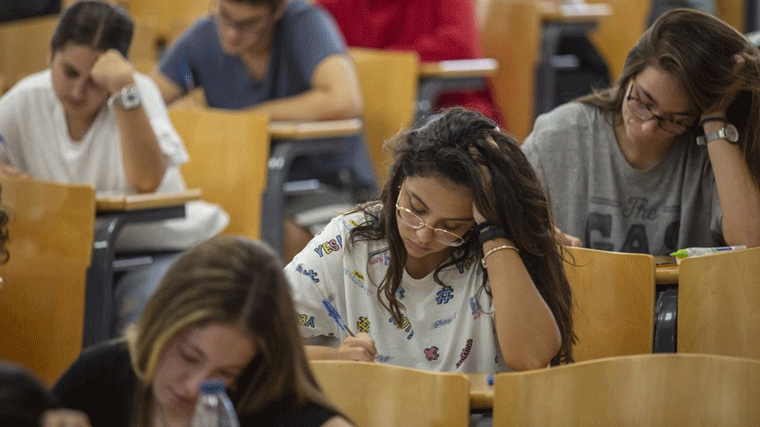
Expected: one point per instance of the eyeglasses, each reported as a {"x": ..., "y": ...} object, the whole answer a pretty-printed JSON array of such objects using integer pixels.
[
  {"x": 251, "y": 26},
  {"x": 643, "y": 112},
  {"x": 410, "y": 219}
]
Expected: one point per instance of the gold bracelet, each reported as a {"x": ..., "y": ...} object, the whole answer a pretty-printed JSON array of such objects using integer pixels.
[{"x": 498, "y": 248}]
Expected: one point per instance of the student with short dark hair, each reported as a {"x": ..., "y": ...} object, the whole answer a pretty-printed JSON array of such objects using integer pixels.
[{"x": 285, "y": 59}]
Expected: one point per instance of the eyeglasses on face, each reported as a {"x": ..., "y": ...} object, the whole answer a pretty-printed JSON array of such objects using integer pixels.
[
  {"x": 410, "y": 219},
  {"x": 644, "y": 112},
  {"x": 250, "y": 26}
]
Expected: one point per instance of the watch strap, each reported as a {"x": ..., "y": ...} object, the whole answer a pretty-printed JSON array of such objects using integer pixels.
[
  {"x": 488, "y": 231},
  {"x": 126, "y": 98}
]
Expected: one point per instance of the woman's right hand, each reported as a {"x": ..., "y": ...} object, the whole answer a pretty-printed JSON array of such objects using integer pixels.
[
  {"x": 64, "y": 418},
  {"x": 360, "y": 348}
]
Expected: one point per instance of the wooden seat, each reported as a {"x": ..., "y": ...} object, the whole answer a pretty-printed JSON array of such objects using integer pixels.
[
  {"x": 228, "y": 161},
  {"x": 719, "y": 304},
  {"x": 377, "y": 395},
  {"x": 388, "y": 82},
  {"x": 613, "y": 302},
  {"x": 43, "y": 289},
  {"x": 639, "y": 390}
]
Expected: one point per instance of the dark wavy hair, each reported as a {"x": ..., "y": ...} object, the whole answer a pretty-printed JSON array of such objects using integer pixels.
[
  {"x": 97, "y": 24},
  {"x": 455, "y": 146},
  {"x": 699, "y": 50}
]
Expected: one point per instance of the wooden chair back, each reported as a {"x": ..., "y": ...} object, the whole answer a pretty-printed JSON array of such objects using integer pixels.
[
  {"x": 24, "y": 47},
  {"x": 228, "y": 161},
  {"x": 719, "y": 304},
  {"x": 388, "y": 82},
  {"x": 511, "y": 33},
  {"x": 638, "y": 390},
  {"x": 379, "y": 395},
  {"x": 613, "y": 302},
  {"x": 43, "y": 288}
]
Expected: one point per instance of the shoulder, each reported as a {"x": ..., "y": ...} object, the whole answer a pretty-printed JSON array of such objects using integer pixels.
[
  {"x": 568, "y": 115},
  {"x": 300, "y": 13},
  {"x": 565, "y": 123},
  {"x": 37, "y": 85}
]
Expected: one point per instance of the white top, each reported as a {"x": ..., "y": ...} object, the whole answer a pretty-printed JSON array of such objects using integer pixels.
[
  {"x": 447, "y": 328},
  {"x": 33, "y": 125}
]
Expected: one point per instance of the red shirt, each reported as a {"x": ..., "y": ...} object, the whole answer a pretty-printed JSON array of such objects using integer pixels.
[{"x": 436, "y": 29}]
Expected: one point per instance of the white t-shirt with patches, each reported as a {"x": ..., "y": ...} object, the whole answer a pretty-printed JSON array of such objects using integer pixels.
[{"x": 447, "y": 328}]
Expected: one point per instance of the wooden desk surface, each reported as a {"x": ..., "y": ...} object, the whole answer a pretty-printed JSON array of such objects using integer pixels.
[
  {"x": 481, "y": 394},
  {"x": 315, "y": 129},
  {"x": 551, "y": 12},
  {"x": 484, "y": 67},
  {"x": 130, "y": 202}
]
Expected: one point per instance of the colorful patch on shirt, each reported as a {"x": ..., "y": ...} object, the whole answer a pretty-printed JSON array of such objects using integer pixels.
[
  {"x": 477, "y": 310},
  {"x": 308, "y": 273},
  {"x": 306, "y": 320},
  {"x": 382, "y": 257},
  {"x": 465, "y": 352},
  {"x": 406, "y": 325},
  {"x": 358, "y": 280},
  {"x": 382, "y": 359},
  {"x": 443, "y": 322},
  {"x": 465, "y": 264},
  {"x": 431, "y": 353},
  {"x": 330, "y": 246},
  {"x": 362, "y": 325},
  {"x": 444, "y": 295}
]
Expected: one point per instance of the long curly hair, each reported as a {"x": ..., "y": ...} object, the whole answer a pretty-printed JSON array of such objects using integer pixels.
[{"x": 455, "y": 146}]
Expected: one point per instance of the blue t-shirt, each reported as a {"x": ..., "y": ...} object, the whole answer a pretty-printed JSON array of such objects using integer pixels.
[{"x": 303, "y": 37}]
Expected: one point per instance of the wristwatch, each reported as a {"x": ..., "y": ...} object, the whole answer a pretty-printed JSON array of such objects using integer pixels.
[
  {"x": 728, "y": 133},
  {"x": 126, "y": 99}
]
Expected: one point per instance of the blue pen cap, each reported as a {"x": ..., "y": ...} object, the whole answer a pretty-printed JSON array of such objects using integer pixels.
[{"x": 212, "y": 387}]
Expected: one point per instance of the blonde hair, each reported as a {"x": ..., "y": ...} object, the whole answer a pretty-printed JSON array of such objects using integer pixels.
[{"x": 233, "y": 281}]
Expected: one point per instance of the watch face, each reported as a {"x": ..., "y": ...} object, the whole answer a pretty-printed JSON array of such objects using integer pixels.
[
  {"x": 130, "y": 98},
  {"x": 732, "y": 135}
]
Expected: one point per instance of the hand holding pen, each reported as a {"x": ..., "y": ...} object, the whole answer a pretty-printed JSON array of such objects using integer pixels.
[{"x": 355, "y": 347}]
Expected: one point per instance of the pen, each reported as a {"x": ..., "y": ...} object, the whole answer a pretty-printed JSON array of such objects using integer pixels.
[
  {"x": 335, "y": 315},
  {"x": 691, "y": 252}
]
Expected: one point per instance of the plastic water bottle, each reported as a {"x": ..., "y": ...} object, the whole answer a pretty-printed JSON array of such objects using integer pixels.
[{"x": 214, "y": 408}]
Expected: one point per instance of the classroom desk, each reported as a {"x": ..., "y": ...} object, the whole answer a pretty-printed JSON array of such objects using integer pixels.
[
  {"x": 113, "y": 212},
  {"x": 481, "y": 393},
  {"x": 523, "y": 35},
  {"x": 665, "y": 273},
  {"x": 290, "y": 140},
  {"x": 446, "y": 76}
]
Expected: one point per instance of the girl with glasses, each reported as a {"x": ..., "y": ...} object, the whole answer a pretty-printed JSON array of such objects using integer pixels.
[
  {"x": 668, "y": 157},
  {"x": 454, "y": 268}
]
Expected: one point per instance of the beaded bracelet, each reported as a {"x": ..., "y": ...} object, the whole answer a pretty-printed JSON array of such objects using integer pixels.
[{"x": 498, "y": 248}]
